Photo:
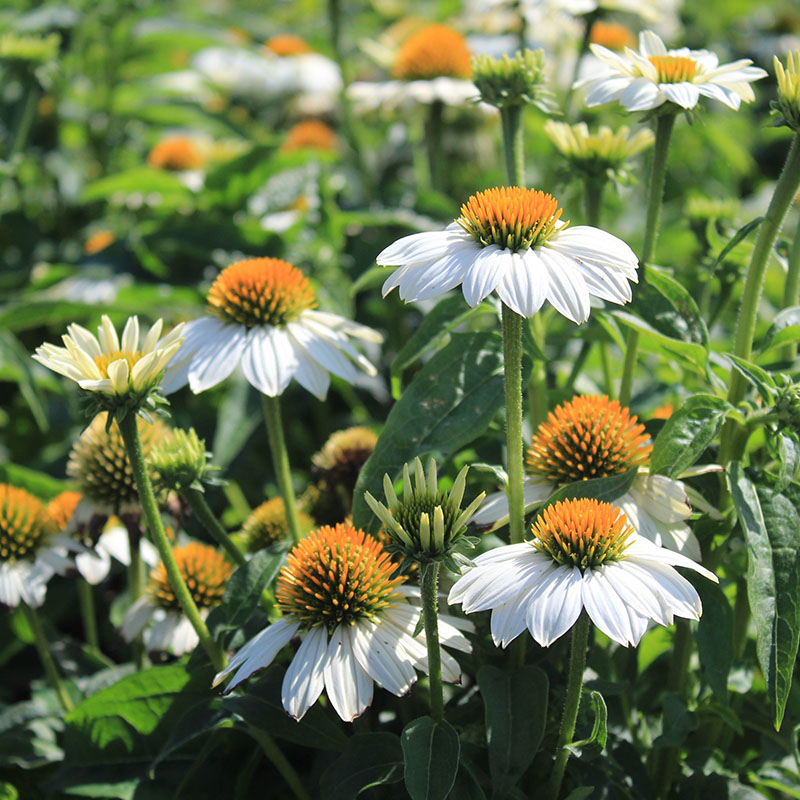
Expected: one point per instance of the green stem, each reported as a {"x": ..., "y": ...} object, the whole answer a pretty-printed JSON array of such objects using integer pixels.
[
  {"x": 197, "y": 502},
  {"x": 791, "y": 290},
  {"x": 577, "y": 665},
  {"x": 133, "y": 448},
  {"x": 40, "y": 640},
  {"x": 741, "y": 619},
  {"x": 88, "y": 616},
  {"x": 433, "y": 143},
  {"x": 655, "y": 196},
  {"x": 429, "y": 585},
  {"x": 135, "y": 584},
  {"x": 512, "y": 359},
  {"x": 280, "y": 762},
  {"x": 513, "y": 144},
  {"x": 665, "y": 761},
  {"x": 577, "y": 366},
  {"x": 26, "y": 116},
  {"x": 522, "y": 30},
  {"x": 537, "y": 384},
  {"x": 593, "y": 199},
  {"x": 280, "y": 462},
  {"x": 608, "y": 372},
  {"x": 589, "y": 21},
  {"x": 785, "y": 190}
]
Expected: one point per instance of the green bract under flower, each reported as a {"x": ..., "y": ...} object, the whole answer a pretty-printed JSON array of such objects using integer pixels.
[
  {"x": 512, "y": 81},
  {"x": 427, "y": 524}
]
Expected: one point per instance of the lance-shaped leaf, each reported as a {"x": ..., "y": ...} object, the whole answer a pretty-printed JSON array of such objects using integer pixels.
[{"x": 430, "y": 752}]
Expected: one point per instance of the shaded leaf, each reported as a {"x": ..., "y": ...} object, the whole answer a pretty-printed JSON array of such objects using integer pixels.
[
  {"x": 244, "y": 589},
  {"x": 592, "y": 747},
  {"x": 737, "y": 237},
  {"x": 785, "y": 329},
  {"x": 13, "y": 352},
  {"x": 430, "y": 753},
  {"x": 371, "y": 759},
  {"x": 755, "y": 375},
  {"x": 604, "y": 489},
  {"x": 714, "y": 635}
]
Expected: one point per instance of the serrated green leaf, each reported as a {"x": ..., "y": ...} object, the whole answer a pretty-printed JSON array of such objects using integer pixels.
[
  {"x": 687, "y": 433},
  {"x": 370, "y": 759},
  {"x": 771, "y": 524},
  {"x": 430, "y": 753},
  {"x": 515, "y": 713},
  {"x": 449, "y": 403},
  {"x": 246, "y": 584},
  {"x": 714, "y": 635}
]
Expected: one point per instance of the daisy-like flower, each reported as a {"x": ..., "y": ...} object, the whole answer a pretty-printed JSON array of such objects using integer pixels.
[
  {"x": 311, "y": 134},
  {"x": 653, "y": 76},
  {"x": 261, "y": 315},
  {"x": 432, "y": 65},
  {"x": 513, "y": 241},
  {"x": 99, "y": 241},
  {"x": 206, "y": 572},
  {"x": 176, "y": 154},
  {"x": 120, "y": 372},
  {"x": 267, "y": 525},
  {"x": 30, "y": 552},
  {"x": 584, "y": 554},
  {"x": 336, "y": 592},
  {"x": 594, "y": 437}
]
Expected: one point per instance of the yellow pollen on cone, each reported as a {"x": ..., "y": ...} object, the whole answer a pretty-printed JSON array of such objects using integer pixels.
[{"x": 674, "y": 69}]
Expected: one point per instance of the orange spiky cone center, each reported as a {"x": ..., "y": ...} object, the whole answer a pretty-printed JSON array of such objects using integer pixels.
[
  {"x": 204, "y": 570},
  {"x": 23, "y": 524},
  {"x": 674, "y": 69},
  {"x": 435, "y": 51}
]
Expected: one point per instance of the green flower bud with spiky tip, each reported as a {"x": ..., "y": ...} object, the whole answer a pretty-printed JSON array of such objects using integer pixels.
[
  {"x": 181, "y": 462},
  {"x": 786, "y": 109},
  {"x": 512, "y": 80},
  {"x": 267, "y": 525},
  {"x": 427, "y": 524},
  {"x": 30, "y": 50},
  {"x": 787, "y": 406}
]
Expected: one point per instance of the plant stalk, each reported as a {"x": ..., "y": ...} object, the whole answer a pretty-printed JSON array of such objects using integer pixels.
[
  {"x": 577, "y": 665},
  {"x": 197, "y": 502},
  {"x": 46, "y": 657},
  {"x": 429, "y": 584},
  {"x": 135, "y": 584},
  {"x": 133, "y": 447},
  {"x": 791, "y": 290},
  {"x": 433, "y": 143},
  {"x": 88, "y": 616},
  {"x": 280, "y": 462},
  {"x": 280, "y": 762},
  {"x": 512, "y": 359},
  {"x": 655, "y": 196}
]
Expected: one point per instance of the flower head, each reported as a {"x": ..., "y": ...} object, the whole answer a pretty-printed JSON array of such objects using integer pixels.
[
  {"x": 98, "y": 463},
  {"x": 61, "y": 509},
  {"x": 601, "y": 154},
  {"x": 98, "y": 241},
  {"x": 205, "y": 572},
  {"x": 311, "y": 134},
  {"x": 511, "y": 81},
  {"x": 288, "y": 44},
  {"x": 435, "y": 51},
  {"x": 337, "y": 592},
  {"x": 30, "y": 553},
  {"x": 428, "y": 524},
  {"x": 176, "y": 153},
  {"x": 611, "y": 35},
  {"x": 180, "y": 460},
  {"x": 584, "y": 555},
  {"x": 261, "y": 313},
  {"x": 591, "y": 437},
  {"x": 787, "y": 107},
  {"x": 653, "y": 76},
  {"x": 514, "y": 241},
  {"x": 121, "y": 374},
  {"x": 267, "y": 525}
]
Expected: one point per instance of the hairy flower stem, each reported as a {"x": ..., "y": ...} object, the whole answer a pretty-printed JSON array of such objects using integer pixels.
[
  {"x": 429, "y": 584},
  {"x": 791, "y": 290},
  {"x": 513, "y": 144},
  {"x": 136, "y": 585},
  {"x": 577, "y": 665},
  {"x": 280, "y": 462},
  {"x": 433, "y": 143},
  {"x": 46, "y": 657},
  {"x": 280, "y": 762},
  {"x": 88, "y": 616},
  {"x": 512, "y": 358},
  {"x": 658, "y": 174},
  {"x": 133, "y": 448}
]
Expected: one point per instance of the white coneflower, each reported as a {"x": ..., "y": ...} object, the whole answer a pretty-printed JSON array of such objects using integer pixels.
[
  {"x": 584, "y": 554},
  {"x": 262, "y": 316},
  {"x": 336, "y": 591},
  {"x": 513, "y": 241}
]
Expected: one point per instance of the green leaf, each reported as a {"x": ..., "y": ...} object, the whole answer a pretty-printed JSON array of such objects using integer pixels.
[
  {"x": 714, "y": 635},
  {"x": 445, "y": 316},
  {"x": 15, "y": 354},
  {"x": 515, "y": 712},
  {"x": 737, "y": 237},
  {"x": 246, "y": 584},
  {"x": 430, "y": 753},
  {"x": 581, "y": 793},
  {"x": 789, "y": 454},
  {"x": 235, "y": 421},
  {"x": 144, "y": 181},
  {"x": 771, "y": 524},
  {"x": 604, "y": 489},
  {"x": 262, "y": 708},
  {"x": 8, "y": 791},
  {"x": 370, "y": 759},
  {"x": 757, "y": 376},
  {"x": 592, "y": 747},
  {"x": 676, "y": 722},
  {"x": 686, "y": 434},
  {"x": 785, "y": 329},
  {"x": 38, "y": 483},
  {"x": 449, "y": 403}
]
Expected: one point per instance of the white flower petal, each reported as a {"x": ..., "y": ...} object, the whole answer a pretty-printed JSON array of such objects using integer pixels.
[
  {"x": 685, "y": 95},
  {"x": 269, "y": 360},
  {"x": 567, "y": 291},
  {"x": 214, "y": 361},
  {"x": 484, "y": 273},
  {"x": 348, "y": 686},
  {"x": 107, "y": 335},
  {"x": 118, "y": 374},
  {"x": 641, "y": 95},
  {"x": 607, "y": 609},
  {"x": 136, "y": 617},
  {"x": 524, "y": 286},
  {"x": 554, "y": 604},
  {"x": 303, "y": 682},
  {"x": 130, "y": 335},
  {"x": 377, "y": 650}
]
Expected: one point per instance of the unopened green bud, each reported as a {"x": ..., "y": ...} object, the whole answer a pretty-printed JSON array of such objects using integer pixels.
[
  {"x": 181, "y": 460},
  {"x": 512, "y": 80},
  {"x": 787, "y": 107}
]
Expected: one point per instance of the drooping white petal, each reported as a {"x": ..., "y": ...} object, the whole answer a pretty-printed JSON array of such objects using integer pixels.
[
  {"x": 311, "y": 375},
  {"x": 269, "y": 360},
  {"x": 347, "y": 684},
  {"x": 509, "y": 620},
  {"x": 184, "y": 637},
  {"x": 216, "y": 358},
  {"x": 524, "y": 286},
  {"x": 378, "y": 652},
  {"x": 641, "y": 95},
  {"x": 554, "y": 604},
  {"x": 484, "y": 273},
  {"x": 136, "y": 617},
  {"x": 303, "y": 682},
  {"x": 685, "y": 95},
  {"x": 606, "y": 608},
  {"x": 94, "y": 567},
  {"x": 567, "y": 290}
]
